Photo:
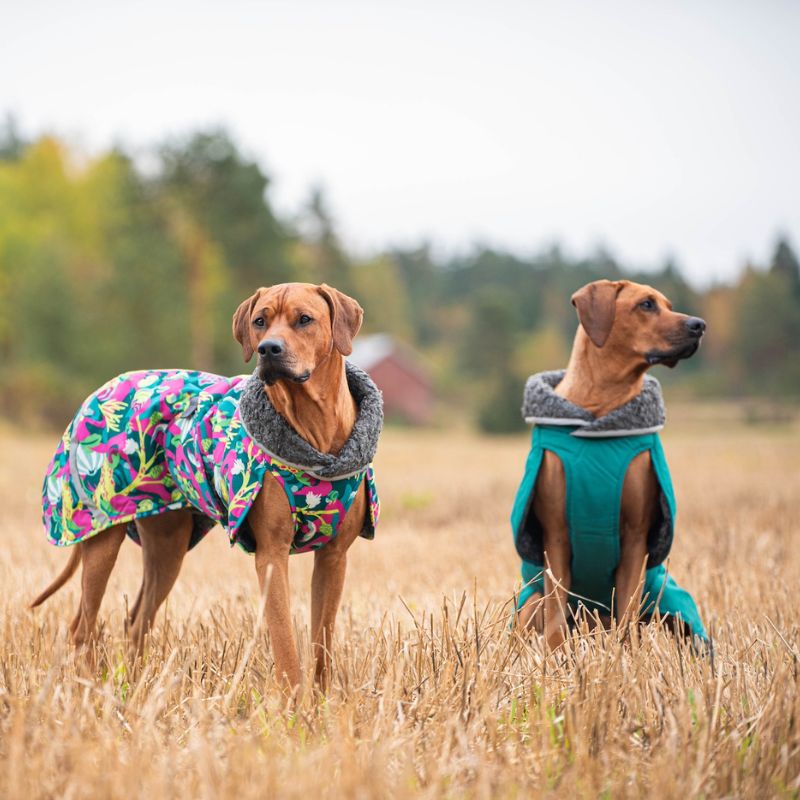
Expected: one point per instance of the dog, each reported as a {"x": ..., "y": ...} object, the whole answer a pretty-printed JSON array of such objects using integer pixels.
[
  {"x": 282, "y": 459},
  {"x": 594, "y": 515}
]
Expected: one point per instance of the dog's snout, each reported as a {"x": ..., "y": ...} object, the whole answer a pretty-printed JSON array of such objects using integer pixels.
[
  {"x": 696, "y": 326},
  {"x": 272, "y": 347}
]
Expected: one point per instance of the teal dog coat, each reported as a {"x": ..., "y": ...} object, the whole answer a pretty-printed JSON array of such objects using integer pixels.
[
  {"x": 595, "y": 454},
  {"x": 161, "y": 440}
]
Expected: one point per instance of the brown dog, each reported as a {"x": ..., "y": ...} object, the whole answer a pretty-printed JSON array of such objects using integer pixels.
[
  {"x": 303, "y": 369},
  {"x": 301, "y": 333},
  {"x": 625, "y": 328}
]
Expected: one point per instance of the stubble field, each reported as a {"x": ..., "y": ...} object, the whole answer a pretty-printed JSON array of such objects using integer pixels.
[{"x": 432, "y": 694}]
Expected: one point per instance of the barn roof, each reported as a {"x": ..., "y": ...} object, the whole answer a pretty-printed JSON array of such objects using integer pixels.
[{"x": 371, "y": 350}]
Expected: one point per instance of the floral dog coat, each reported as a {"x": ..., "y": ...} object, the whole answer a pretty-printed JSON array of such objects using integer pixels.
[{"x": 154, "y": 441}]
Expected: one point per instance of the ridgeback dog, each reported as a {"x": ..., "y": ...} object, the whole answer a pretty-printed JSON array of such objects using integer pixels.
[
  {"x": 301, "y": 333},
  {"x": 625, "y": 328}
]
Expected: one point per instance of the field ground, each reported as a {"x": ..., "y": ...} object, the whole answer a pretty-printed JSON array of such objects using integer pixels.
[{"x": 432, "y": 695}]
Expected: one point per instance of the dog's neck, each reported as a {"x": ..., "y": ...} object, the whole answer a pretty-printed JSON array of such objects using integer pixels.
[
  {"x": 597, "y": 380},
  {"x": 321, "y": 410}
]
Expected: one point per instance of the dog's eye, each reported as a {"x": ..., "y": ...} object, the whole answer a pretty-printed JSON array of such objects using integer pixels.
[
  {"x": 304, "y": 319},
  {"x": 259, "y": 322},
  {"x": 647, "y": 305}
]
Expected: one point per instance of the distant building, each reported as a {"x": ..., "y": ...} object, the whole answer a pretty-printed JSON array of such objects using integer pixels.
[{"x": 396, "y": 369}]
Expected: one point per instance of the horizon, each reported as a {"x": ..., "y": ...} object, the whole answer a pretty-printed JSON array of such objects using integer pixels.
[{"x": 443, "y": 256}]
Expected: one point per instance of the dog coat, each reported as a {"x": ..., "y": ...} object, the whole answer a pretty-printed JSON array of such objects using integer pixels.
[
  {"x": 595, "y": 454},
  {"x": 155, "y": 441}
]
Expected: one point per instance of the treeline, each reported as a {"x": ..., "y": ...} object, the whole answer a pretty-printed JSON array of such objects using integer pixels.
[{"x": 109, "y": 264}]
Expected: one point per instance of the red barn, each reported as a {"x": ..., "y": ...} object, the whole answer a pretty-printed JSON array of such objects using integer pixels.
[{"x": 395, "y": 368}]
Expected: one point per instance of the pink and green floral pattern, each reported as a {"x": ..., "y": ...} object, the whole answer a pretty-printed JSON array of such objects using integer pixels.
[{"x": 154, "y": 441}]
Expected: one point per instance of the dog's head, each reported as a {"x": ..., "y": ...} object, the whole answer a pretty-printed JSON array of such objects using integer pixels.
[
  {"x": 637, "y": 321},
  {"x": 294, "y": 327}
]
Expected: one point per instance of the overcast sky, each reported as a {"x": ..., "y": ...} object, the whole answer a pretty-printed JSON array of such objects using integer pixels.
[{"x": 652, "y": 128}]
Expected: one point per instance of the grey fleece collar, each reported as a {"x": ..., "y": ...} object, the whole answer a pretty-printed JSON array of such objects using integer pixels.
[
  {"x": 270, "y": 431},
  {"x": 644, "y": 414}
]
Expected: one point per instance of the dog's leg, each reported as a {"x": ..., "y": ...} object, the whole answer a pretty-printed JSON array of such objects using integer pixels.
[
  {"x": 76, "y": 620},
  {"x": 531, "y": 615},
  {"x": 273, "y": 530},
  {"x": 165, "y": 540},
  {"x": 134, "y": 612},
  {"x": 639, "y": 499},
  {"x": 549, "y": 505},
  {"x": 327, "y": 583},
  {"x": 98, "y": 556},
  {"x": 273, "y": 579}
]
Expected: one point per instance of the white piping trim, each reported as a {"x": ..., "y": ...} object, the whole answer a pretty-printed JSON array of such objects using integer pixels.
[
  {"x": 555, "y": 421},
  {"x": 613, "y": 434}
]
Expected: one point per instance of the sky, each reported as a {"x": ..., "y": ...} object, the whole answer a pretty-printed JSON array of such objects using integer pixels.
[{"x": 652, "y": 129}]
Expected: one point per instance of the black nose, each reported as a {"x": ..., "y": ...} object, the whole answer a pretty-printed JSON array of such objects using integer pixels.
[
  {"x": 271, "y": 347},
  {"x": 696, "y": 326}
]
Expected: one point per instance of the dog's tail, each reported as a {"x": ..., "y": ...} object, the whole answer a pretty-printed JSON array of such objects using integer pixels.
[{"x": 66, "y": 574}]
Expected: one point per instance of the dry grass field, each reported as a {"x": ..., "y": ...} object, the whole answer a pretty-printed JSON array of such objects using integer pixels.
[{"x": 432, "y": 695}]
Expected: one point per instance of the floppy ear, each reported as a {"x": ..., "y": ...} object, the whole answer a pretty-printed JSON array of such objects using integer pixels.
[
  {"x": 241, "y": 325},
  {"x": 596, "y": 304},
  {"x": 346, "y": 317}
]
